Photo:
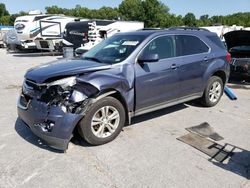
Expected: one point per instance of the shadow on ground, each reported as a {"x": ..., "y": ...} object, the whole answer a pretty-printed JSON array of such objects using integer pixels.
[
  {"x": 77, "y": 140},
  {"x": 238, "y": 163},
  {"x": 239, "y": 83},
  {"x": 23, "y": 131},
  {"x": 37, "y": 54},
  {"x": 157, "y": 113}
]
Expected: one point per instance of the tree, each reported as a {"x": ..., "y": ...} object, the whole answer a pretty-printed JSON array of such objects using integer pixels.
[
  {"x": 5, "y": 20},
  {"x": 56, "y": 10},
  {"x": 155, "y": 13},
  {"x": 204, "y": 20},
  {"x": 131, "y": 10},
  {"x": 3, "y": 11},
  {"x": 190, "y": 20},
  {"x": 152, "y": 12}
]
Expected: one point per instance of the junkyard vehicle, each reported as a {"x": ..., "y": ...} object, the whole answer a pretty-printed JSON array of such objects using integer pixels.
[
  {"x": 238, "y": 44},
  {"x": 124, "y": 76}
]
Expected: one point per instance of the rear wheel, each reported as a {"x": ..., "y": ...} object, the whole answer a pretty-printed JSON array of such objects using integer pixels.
[
  {"x": 103, "y": 122},
  {"x": 213, "y": 92}
]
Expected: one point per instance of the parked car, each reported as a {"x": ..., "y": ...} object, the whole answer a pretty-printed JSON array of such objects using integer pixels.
[
  {"x": 124, "y": 76},
  {"x": 238, "y": 44}
]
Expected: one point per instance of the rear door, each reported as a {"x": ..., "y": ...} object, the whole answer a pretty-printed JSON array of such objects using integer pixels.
[
  {"x": 195, "y": 55},
  {"x": 157, "y": 82}
]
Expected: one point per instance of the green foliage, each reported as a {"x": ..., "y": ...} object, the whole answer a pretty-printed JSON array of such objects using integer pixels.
[
  {"x": 3, "y": 11},
  {"x": 190, "y": 20},
  {"x": 132, "y": 10},
  {"x": 152, "y": 12}
]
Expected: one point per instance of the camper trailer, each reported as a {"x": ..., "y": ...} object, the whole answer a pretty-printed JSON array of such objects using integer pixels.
[
  {"x": 41, "y": 31},
  {"x": 11, "y": 41},
  {"x": 84, "y": 35},
  {"x": 220, "y": 30},
  {"x": 3, "y": 31},
  {"x": 76, "y": 33}
]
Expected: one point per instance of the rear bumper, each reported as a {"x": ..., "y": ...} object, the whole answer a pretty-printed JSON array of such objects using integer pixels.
[{"x": 50, "y": 124}]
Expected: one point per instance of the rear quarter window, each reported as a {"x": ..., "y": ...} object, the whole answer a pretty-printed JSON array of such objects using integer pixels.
[
  {"x": 216, "y": 41},
  {"x": 190, "y": 45}
]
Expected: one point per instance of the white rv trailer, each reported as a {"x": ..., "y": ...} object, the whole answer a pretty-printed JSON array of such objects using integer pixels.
[
  {"x": 3, "y": 31},
  {"x": 98, "y": 33},
  {"x": 222, "y": 29},
  {"x": 41, "y": 31}
]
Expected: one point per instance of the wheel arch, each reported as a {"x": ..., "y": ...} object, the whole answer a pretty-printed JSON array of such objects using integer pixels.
[
  {"x": 222, "y": 75},
  {"x": 110, "y": 93},
  {"x": 117, "y": 95}
]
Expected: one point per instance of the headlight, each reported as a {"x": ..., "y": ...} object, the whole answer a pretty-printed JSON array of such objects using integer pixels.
[
  {"x": 65, "y": 82},
  {"x": 77, "y": 97}
]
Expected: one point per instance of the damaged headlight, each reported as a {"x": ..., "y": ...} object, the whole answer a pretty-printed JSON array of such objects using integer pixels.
[
  {"x": 66, "y": 94},
  {"x": 65, "y": 82},
  {"x": 77, "y": 96}
]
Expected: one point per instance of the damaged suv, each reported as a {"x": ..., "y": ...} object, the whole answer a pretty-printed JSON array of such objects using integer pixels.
[{"x": 126, "y": 75}]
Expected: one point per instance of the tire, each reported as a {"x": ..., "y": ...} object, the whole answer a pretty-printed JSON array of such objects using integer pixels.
[
  {"x": 213, "y": 92},
  {"x": 96, "y": 127}
]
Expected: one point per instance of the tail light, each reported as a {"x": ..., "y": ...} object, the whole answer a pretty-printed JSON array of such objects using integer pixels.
[{"x": 228, "y": 57}]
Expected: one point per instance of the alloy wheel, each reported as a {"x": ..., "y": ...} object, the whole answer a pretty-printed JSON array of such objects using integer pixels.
[{"x": 105, "y": 121}]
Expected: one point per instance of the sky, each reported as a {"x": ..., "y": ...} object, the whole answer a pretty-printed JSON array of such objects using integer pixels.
[{"x": 178, "y": 7}]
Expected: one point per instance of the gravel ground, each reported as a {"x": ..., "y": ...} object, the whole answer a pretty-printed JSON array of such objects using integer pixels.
[{"x": 145, "y": 154}]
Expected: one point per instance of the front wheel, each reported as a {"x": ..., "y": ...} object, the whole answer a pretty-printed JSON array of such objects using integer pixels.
[
  {"x": 103, "y": 121},
  {"x": 213, "y": 92}
]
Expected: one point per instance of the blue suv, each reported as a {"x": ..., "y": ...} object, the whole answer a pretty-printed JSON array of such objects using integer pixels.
[{"x": 126, "y": 75}]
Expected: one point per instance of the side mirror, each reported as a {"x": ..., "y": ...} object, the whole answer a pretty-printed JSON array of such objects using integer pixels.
[{"x": 148, "y": 58}]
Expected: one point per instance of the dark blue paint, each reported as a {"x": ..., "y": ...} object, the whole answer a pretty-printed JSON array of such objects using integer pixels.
[{"x": 141, "y": 85}]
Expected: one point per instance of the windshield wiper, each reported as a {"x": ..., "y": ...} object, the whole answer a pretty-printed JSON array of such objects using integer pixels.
[{"x": 93, "y": 59}]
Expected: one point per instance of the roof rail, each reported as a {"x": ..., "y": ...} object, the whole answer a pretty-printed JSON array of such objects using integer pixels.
[
  {"x": 188, "y": 28},
  {"x": 151, "y": 29}
]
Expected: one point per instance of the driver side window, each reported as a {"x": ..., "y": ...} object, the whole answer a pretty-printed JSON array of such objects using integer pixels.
[{"x": 164, "y": 46}]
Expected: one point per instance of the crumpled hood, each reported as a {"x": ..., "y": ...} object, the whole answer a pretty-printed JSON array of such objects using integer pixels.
[
  {"x": 237, "y": 38},
  {"x": 63, "y": 68}
]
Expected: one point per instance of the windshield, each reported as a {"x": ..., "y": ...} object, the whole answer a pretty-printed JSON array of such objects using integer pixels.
[{"x": 115, "y": 49}]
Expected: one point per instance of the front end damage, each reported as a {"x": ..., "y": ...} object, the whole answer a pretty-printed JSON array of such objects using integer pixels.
[{"x": 52, "y": 110}]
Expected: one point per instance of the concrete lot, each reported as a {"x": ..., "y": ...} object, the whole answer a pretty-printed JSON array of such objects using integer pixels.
[{"x": 146, "y": 153}]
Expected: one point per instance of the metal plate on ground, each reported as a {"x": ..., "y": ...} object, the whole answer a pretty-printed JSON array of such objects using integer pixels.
[
  {"x": 212, "y": 149},
  {"x": 205, "y": 130}
]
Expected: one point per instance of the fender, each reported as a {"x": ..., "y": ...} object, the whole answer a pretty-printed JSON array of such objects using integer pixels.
[
  {"x": 112, "y": 80},
  {"x": 215, "y": 66}
]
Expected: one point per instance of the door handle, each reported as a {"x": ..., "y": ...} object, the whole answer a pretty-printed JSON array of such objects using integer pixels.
[{"x": 174, "y": 66}]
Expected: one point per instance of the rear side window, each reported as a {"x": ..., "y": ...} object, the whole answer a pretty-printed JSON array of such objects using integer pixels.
[
  {"x": 190, "y": 45},
  {"x": 164, "y": 46},
  {"x": 216, "y": 41}
]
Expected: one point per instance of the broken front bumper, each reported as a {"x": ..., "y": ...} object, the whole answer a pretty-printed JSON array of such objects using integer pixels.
[{"x": 51, "y": 124}]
